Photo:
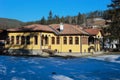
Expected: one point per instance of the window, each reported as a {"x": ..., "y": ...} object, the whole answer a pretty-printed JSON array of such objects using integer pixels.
[
  {"x": 22, "y": 39},
  {"x": 76, "y": 40},
  {"x": 17, "y": 39},
  {"x": 65, "y": 40},
  {"x": 28, "y": 40},
  {"x": 70, "y": 40},
  {"x": 91, "y": 40},
  {"x": 42, "y": 40},
  {"x": 70, "y": 50},
  {"x": 12, "y": 39},
  {"x": 53, "y": 40},
  {"x": 58, "y": 40},
  {"x": 46, "y": 40},
  {"x": 36, "y": 39},
  {"x": 8, "y": 40}
]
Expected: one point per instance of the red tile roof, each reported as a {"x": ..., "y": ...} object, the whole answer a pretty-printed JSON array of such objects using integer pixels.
[
  {"x": 92, "y": 31},
  {"x": 55, "y": 28},
  {"x": 34, "y": 27},
  {"x": 68, "y": 29}
]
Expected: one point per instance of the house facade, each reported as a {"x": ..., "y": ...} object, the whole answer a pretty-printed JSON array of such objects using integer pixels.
[
  {"x": 57, "y": 37},
  {"x": 95, "y": 39}
]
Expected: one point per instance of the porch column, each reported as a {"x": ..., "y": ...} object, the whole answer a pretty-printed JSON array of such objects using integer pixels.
[
  {"x": 40, "y": 41},
  {"x": 81, "y": 44}
]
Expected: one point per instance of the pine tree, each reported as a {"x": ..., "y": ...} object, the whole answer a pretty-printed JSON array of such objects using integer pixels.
[
  {"x": 73, "y": 20},
  {"x": 62, "y": 19},
  {"x": 115, "y": 24},
  {"x": 80, "y": 19},
  {"x": 43, "y": 21},
  {"x": 50, "y": 18}
]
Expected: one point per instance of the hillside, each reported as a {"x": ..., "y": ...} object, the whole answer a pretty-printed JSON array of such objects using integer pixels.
[{"x": 6, "y": 23}]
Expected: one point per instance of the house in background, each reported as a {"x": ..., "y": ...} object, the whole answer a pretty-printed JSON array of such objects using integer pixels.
[{"x": 58, "y": 37}]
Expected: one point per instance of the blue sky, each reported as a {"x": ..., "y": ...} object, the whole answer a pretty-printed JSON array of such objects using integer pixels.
[{"x": 31, "y": 10}]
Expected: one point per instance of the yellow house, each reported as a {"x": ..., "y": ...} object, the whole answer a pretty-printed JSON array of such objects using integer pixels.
[
  {"x": 95, "y": 39},
  {"x": 59, "y": 37}
]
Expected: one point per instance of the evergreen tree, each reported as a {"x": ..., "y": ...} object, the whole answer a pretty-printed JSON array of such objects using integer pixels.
[
  {"x": 62, "y": 19},
  {"x": 84, "y": 20},
  {"x": 43, "y": 21},
  {"x": 115, "y": 24},
  {"x": 50, "y": 18},
  {"x": 106, "y": 15},
  {"x": 56, "y": 19},
  {"x": 73, "y": 20},
  {"x": 68, "y": 20},
  {"x": 80, "y": 19}
]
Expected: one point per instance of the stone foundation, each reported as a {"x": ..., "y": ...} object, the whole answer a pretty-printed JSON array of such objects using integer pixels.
[{"x": 24, "y": 52}]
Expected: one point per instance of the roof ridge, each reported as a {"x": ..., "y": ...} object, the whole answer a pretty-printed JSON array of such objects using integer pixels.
[
  {"x": 84, "y": 32},
  {"x": 53, "y": 29},
  {"x": 80, "y": 30}
]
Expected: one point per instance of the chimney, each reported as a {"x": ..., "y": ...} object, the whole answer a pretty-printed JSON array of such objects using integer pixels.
[{"x": 61, "y": 27}]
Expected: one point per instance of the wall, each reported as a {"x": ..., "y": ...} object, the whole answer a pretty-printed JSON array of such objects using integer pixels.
[
  {"x": 67, "y": 47},
  {"x": 31, "y": 46},
  {"x": 81, "y": 47},
  {"x": 61, "y": 47},
  {"x": 98, "y": 46}
]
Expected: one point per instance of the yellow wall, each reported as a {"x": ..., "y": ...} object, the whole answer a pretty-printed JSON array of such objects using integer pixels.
[
  {"x": 25, "y": 46},
  {"x": 85, "y": 48},
  {"x": 62, "y": 47},
  {"x": 66, "y": 47},
  {"x": 99, "y": 35},
  {"x": 96, "y": 45},
  {"x": 59, "y": 47}
]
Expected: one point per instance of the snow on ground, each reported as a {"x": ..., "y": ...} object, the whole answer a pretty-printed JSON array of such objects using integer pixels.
[
  {"x": 17, "y": 78},
  {"x": 36, "y": 68},
  {"x": 109, "y": 58},
  {"x": 61, "y": 77},
  {"x": 3, "y": 69}
]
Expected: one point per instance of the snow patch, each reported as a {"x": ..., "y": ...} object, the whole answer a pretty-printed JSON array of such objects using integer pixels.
[
  {"x": 109, "y": 58},
  {"x": 17, "y": 78},
  {"x": 61, "y": 77},
  {"x": 3, "y": 69},
  {"x": 32, "y": 61},
  {"x": 59, "y": 62},
  {"x": 82, "y": 77},
  {"x": 23, "y": 72},
  {"x": 13, "y": 70},
  {"x": 31, "y": 72},
  {"x": 40, "y": 67}
]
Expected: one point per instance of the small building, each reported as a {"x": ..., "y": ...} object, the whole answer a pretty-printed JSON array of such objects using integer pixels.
[{"x": 57, "y": 37}]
